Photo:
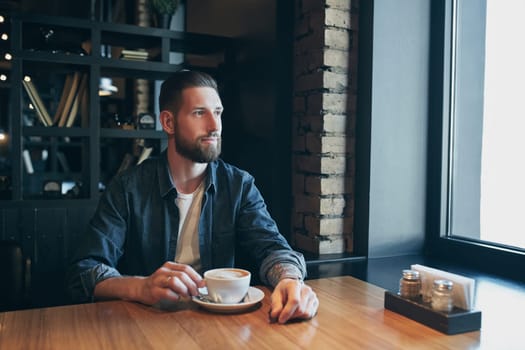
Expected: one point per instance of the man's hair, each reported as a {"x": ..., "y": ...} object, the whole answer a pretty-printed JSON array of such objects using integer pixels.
[{"x": 171, "y": 89}]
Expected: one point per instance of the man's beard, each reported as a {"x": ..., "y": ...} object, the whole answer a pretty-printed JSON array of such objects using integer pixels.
[{"x": 196, "y": 151}]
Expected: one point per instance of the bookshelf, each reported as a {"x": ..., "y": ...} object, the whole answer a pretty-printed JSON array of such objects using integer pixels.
[
  {"x": 57, "y": 116},
  {"x": 83, "y": 146}
]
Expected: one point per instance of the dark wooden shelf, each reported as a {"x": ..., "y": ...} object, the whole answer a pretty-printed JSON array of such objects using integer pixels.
[
  {"x": 55, "y": 131},
  {"x": 137, "y": 37},
  {"x": 48, "y": 203},
  {"x": 137, "y": 69},
  {"x": 136, "y": 134},
  {"x": 84, "y": 132},
  {"x": 55, "y": 59},
  {"x": 52, "y": 20},
  {"x": 312, "y": 259}
]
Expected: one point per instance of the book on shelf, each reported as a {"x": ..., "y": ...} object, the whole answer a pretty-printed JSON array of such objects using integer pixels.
[
  {"x": 136, "y": 55},
  {"x": 130, "y": 160},
  {"x": 84, "y": 106},
  {"x": 62, "y": 160},
  {"x": 75, "y": 107},
  {"x": 146, "y": 152},
  {"x": 61, "y": 104},
  {"x": 69, "y": 98},
  {"x": 28, "y": 163},
  {"x": 73, "y": 100},
  {"x": 37, "y": 103}
]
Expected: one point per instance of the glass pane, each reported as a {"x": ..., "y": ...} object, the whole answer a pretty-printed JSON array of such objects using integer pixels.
[
  {"x": 503, "y": 172},
  {"x": 487, "y": 184}
]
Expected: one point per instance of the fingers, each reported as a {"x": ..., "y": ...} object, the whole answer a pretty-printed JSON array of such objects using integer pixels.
[
  {"x": 186, "y": 269},
  {"x": 277, "y": 306},
  {"x": 293, "y": 307},
  {"x": 181, "y": 283},
  {"x": 312, "y": 306},
  {"x": 293, "y": 301},
  {"x": 180, "y": 279}
]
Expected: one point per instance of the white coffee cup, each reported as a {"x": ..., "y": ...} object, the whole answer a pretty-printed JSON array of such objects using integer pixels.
[{"x": 227, "y": 285}]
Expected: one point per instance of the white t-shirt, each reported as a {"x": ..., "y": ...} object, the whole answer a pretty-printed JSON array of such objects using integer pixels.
[{"x": 188, "y": 238}]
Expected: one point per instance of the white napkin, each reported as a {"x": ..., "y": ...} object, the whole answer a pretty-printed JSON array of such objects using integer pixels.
[{"x": 462, "y": 292}]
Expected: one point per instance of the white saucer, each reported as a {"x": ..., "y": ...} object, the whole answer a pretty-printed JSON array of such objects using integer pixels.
[{"x": 253, "y": 297}]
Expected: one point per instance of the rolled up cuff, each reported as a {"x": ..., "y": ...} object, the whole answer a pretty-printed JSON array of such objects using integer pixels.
[
  {"x": 282, "y": 264},
  {"x": 281, "y": 271},
  {"x": 94, "y": 275}
]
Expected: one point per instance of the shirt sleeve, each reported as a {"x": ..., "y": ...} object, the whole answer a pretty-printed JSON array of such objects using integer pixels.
[
  {"x": 99, "y": 249},
  {"x": 273, "y": 256},
  {"x": 282, "y": 264},
  {"x": 93, "y": 275}
]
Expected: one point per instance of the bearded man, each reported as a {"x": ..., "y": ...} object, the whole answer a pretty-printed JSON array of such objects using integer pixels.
[{"x": 160, "y": 225}]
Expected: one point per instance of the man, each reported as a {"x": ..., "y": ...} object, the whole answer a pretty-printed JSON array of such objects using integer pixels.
[{"x": 161, "y": 224}]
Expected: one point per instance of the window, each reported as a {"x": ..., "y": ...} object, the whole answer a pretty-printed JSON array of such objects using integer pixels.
[
  {"x": 478, "y": 128},
  {"x": 502, "y": 171}
]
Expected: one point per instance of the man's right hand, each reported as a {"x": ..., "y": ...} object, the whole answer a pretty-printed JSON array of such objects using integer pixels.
[{"x": 169, "y": 282}]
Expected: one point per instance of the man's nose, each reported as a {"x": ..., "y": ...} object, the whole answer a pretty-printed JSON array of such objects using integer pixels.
[{"x": 214, "y": 122}]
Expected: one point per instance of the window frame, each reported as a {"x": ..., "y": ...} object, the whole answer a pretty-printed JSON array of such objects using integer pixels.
[{"x": 487, "y": 257}]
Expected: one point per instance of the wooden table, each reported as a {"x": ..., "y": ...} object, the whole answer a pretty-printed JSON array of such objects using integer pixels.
[{"x": 351, "y": 316}]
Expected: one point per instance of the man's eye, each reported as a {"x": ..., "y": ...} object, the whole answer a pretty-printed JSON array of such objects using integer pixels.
[{"x": 199, "y": 112}]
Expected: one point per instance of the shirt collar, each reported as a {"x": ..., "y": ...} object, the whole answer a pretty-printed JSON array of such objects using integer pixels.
[{"x": 165, "y": 183}]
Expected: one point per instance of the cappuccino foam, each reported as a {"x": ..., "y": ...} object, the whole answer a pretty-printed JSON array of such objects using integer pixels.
[{"x": 228, "y": 274}]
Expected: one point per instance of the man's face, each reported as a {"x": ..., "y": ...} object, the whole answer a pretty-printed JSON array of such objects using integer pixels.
[{"x": 198, "y": 125}]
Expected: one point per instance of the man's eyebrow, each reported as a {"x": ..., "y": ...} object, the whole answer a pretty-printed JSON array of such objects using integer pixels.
[{"x": 201, "y": 108}]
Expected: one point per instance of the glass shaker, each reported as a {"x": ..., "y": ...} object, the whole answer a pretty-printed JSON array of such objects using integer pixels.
[
  {"x": 410, "y": 284},
  {"x": 442, "y": 295}
]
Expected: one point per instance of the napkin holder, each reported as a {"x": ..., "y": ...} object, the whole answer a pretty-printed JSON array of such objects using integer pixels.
[{"x": 453, "y": 322}]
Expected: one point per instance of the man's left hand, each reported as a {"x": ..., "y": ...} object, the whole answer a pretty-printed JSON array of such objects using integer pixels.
[{"x": 292, "y": 299}]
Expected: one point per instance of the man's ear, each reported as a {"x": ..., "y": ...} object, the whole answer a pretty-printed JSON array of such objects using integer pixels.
[{"x": 167, "y": 120}]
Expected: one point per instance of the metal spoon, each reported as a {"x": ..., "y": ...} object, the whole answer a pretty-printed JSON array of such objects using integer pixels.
[{"x": 206, "y": 298}]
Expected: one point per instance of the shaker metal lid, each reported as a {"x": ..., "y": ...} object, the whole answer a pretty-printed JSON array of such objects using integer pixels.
[
  {"x": 410, "y": 274},
  {"x": 443, "y": 284}
]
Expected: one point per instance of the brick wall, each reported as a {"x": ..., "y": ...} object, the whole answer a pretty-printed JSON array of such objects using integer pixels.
[{"x": 323, "y": 127}]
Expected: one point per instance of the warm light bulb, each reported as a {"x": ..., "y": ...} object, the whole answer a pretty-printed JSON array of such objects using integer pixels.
[
  {"x": 27, "y": 78},
  {"x": 8, "y": 56},
  {"x": 2, "y": 19},
  {"x": 4, "y": 36},
  {"x": 103, "y": 93},
  {"x": 3, "y": 77},
  {"x": 106, "y": 87}
]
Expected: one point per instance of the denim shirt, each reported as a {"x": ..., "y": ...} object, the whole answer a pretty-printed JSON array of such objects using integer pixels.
[{"x": 134, "y": 229}]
